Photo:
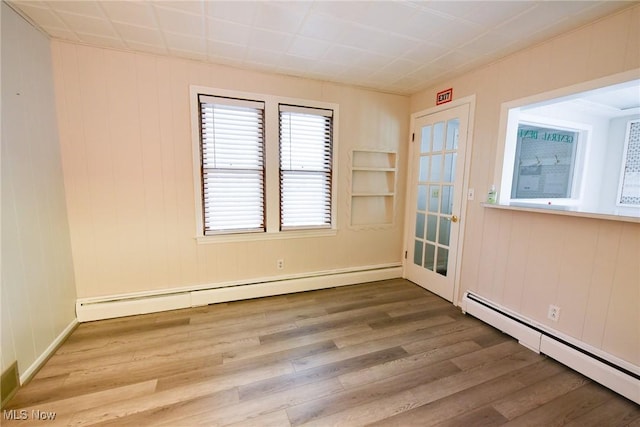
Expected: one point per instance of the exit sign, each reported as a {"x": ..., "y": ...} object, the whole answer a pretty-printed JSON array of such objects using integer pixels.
[{"x": 444, "y": 96}]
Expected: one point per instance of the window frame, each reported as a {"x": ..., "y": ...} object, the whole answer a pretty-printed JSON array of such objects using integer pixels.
[
  {"x": 514, "y": 118},
  {"x": 623, "y": 165},
  {"x": 579, "y": 158},
  {"x": 271, "y": 165},
  {"x": 294, "y": 110}
]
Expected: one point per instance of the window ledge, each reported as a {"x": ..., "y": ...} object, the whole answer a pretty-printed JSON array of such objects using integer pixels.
[
  {"x": 563, "y": 210},
  {"x": 251, "y": 237}
]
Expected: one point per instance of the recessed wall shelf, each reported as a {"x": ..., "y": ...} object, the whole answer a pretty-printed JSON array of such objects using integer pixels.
[{"x": 373, "y": 187}]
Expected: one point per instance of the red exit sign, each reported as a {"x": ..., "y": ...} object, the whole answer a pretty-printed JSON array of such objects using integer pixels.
[{"x": 444, "y": 96}]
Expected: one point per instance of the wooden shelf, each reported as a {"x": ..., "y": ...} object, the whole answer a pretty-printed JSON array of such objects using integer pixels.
[{"x": 373, "y": 187}]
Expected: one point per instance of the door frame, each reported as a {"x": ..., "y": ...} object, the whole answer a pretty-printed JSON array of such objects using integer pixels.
[{"x": 410, "y": 199}]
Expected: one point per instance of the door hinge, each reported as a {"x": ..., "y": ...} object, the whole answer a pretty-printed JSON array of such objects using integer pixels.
[
  {"x": 405, "y": 254},
  {"x": 413, "y": 137}
]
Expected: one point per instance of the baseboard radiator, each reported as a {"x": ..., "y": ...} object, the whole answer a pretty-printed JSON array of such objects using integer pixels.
[
  {"x": 606, "y": 369},
  {"x": 108, "y": 307}
]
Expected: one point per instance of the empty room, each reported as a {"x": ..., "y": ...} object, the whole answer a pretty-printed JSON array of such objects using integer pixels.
[{"x": 287, "y": 213}]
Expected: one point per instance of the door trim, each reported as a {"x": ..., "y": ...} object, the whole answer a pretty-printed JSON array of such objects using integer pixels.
[{"x": 409, "y": 202}]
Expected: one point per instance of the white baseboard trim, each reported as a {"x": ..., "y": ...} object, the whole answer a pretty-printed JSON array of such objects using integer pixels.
[
  {"x": 89, "y": 309},
  {"x": 607, "y": 369},
  {"x": 48, "y": 352}
]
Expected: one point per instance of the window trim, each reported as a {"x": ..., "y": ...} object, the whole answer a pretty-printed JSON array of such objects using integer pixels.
[
  {"x": 297, "y": 109},
  {"x": 623, "y": 165},
  {"x": 271, "y": 153},
  {"x": 580, "y": 158}
]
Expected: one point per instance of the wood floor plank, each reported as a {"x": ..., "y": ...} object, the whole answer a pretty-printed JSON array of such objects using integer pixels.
[
  {"x": 616, "y": 412},
  {"x": 482, "y": 417},
  {"x": 365, "y": 347},
  {"x": 386, "y": 387},
  {"x": 423, "y": 329},
  {"x": 249, "y": 409},
  {"x": 161, "y": 399},
  {"x": 412, "y": 362},
  {"x": 308, "y": 376},
  {"x": 539, "y": 393},
  {"x": 565, "y": 408},
  {"x": 386, "y": 353},
  {"x": 66, "y": 408}
]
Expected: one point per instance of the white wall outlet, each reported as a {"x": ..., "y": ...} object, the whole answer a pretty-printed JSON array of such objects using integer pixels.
[
  {"x": 280, "y": 264},
  {"x": 471, "y": 194},
  {"x": 554, "y": 312}
]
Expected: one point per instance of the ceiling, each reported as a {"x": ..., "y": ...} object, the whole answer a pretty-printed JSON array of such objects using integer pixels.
[
  {"x": 613, "y": 101},
  {"x": 392, "y": 46}
]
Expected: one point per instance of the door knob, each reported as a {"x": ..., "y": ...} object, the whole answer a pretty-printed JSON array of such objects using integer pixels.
[{"x": 454, "y": 218}]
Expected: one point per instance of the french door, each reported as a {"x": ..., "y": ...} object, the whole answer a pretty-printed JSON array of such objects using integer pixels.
[{"x": 435, "y": 199}]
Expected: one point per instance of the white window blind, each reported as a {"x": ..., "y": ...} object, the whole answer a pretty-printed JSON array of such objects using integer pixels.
[
  {"x": 306, "y": 136},
  {"x": 232, "y": 161}
]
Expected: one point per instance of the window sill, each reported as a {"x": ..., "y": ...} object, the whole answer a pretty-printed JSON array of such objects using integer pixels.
[
  {"x": 280, "y": 235},
  {"x": 562, "y": 210}
]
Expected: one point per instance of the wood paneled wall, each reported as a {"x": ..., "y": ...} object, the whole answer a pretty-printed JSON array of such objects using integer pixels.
[
  {"x": 526, "y": 261},
  {"x": 38, "y": 292},
  {"x": 125, "y": 131}
]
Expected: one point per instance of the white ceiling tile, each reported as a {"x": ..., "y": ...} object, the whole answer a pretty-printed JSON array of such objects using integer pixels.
[
  {"x": 346, "y": 10},
  {"x": 323, "y": 27},
  {"x": 296, "y": 62},
  {"x": 149, "y": 36},
  {"x": 178, "y": 22},
  {"x": 61, "y": 33},
  {"x": 498, "y": 12},
  {"x": 397, "y": 46},
  {"x": 195, "y": 7},
  {"x": 342, "y": 54},
  {"x": 182, "y": 42},
  {"x": 378, "y": 41},
  {"x": 44, "y": 16},
  {"x": 485, "y": 44},
  {"x": 102, "y": 40},
  {"x": 227, "y": 31},
  {"x": 235, "y": 11},
  {"x": 88, "y": 25},
  {"x": 529, "y": 23},
  {"x": 130, "y": 12},
  {"x": 425, "y": 52},
  {"x": 425, "y": 25},
  {"x": 452, "y": 60},
  {"x": 217, "y": 49},
  {"x": 272, "y": 16},
  {"x": 387, "y": 15},
  {"x": 149, "y": 48},
  {"x": 372, "y": 60},
  {"x": 264, "y": 57},
  {"x": 87, "y": 8},
  {"x": 400, "y": 67},
  {"x": 308, "y": 47},
  {"x": 270, "y": 40},
  {"x": 464, "y": 32}
]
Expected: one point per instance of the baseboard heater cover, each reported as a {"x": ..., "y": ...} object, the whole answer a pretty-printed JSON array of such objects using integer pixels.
[
  {"x": 618, "y": 375},
  {"x": 152, "y": 302}
]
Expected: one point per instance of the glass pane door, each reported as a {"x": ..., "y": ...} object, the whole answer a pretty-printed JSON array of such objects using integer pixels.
[{"x": 436, "y": 178}]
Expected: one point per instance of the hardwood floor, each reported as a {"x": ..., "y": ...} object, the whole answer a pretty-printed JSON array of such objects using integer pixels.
[{"x": 385, "y": 353}]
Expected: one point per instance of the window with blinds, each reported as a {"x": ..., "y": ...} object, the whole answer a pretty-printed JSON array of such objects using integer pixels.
[
  {"x": 305, "y": 167},
  {"x": 232, "y": 161}
]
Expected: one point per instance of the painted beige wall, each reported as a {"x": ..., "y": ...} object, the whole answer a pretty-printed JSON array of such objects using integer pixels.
[
  {"x": 38, "y": 292},
  {"x": 526, "y": 261},
  {"x": 125, "y": 132}
]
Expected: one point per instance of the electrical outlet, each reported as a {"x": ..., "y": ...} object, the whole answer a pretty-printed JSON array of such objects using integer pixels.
[
  {"x": 554, "y": 312},
  {"x": 280, "y": 264}
]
